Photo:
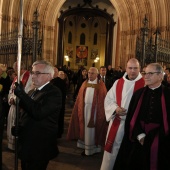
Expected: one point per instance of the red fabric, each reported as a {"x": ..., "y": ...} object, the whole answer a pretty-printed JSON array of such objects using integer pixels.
[
  {"x": 112, "y": 134},
  {"x": 76, "y": 126},
  {"x": 165, "y": 120},
  {"x": 133, "y": 120},
  {"x": 139, "y": 84},
  {"x": 25, "y": 78},
  {"x": 116, "y": 121},
  {"x": 154, "y": 146},
  {"x": 119, "y": 88}
]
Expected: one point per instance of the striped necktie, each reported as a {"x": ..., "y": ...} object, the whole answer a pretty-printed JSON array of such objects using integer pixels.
[
  {"x": 34, "y": 93},
  {"x": 103, "y": 79}
]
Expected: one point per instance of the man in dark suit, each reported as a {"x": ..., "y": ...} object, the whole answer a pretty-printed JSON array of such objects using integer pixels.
[
  {"x": 38, "y": 119},
  {"x": 105, "y": 78}
]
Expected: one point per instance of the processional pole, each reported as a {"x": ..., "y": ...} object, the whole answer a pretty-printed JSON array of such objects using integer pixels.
[{"x": 20, "y": 36}]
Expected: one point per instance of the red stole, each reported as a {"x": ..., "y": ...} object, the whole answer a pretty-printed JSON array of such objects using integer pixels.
[
  {"x": 116, "y": 122},
  {"x": 25, "y": 78}
]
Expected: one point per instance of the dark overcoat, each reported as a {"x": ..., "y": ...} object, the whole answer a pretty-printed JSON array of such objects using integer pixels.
[
  {"x": 39, "y": 124},
  {"x": 134, "y": 156}
]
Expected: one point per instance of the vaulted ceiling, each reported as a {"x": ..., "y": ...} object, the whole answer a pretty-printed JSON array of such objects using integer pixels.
[{"x": 130, "y": 12}]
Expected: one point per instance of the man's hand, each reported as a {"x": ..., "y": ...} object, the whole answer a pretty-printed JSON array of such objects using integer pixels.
[
  {"x": 18, "y": 89},
  {"x": 141, "y": 141},
  {"x": 12, "y": 101},
  {"x": 121, "y": 111}
]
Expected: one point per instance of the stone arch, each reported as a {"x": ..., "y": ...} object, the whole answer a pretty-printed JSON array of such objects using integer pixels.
[
  {"x": 129, "y": 17},
  {"x": 92, "y": 12}
]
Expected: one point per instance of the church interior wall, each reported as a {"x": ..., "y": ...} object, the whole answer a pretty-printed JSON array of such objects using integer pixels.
[{"x": 129, "y": 13}]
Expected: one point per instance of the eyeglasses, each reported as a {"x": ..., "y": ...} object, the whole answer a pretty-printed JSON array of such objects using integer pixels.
[
  {"x": 37, "y": 73},
  {"x": 150, "y": 73}
]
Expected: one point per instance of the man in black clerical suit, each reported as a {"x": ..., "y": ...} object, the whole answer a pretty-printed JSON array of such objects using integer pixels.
[
  {"x": 146, "y": 142},
  {"x": 38, "y": 119},
  {"x": 105, "y": 78}
]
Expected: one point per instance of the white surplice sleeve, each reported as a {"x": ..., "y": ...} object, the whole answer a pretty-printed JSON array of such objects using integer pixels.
[{"x": 110, "y": 103}]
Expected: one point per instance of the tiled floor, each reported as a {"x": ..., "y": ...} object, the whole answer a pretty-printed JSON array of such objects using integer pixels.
[{"x": 69, "y": 158}]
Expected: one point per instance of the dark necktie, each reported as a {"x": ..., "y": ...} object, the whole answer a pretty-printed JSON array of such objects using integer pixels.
[
  {"x": 34, "y": 93},
  {"x": 103, "y": 79}
]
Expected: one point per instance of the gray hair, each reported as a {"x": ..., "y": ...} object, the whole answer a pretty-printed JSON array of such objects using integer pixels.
[
  {"x": 97, "y": 71},
  {"x": 157, "y": 66},
  {"x": 23, "y": 67},
  {"x": 49, "y": 68}
]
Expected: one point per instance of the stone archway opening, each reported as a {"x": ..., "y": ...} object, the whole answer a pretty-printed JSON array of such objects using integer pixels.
[{"x": 92, "y": 23}]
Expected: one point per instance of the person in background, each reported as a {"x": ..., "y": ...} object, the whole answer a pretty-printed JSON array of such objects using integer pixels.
[
  {"x": 12, "y": 74},
  {"x": 88, "y": 123},
  {"x": 38, "y": 122},
  {"x": 64, "y": 77},
  {"x": 26, "y": 80},
  {"x": 82, "y": 77},
  {"x": 143, "y": 71},
  {"x": 109, "y": 71},
  {"x": 116, "y": 105},
  {"x": 76, "y": 75},
  {"x": 166, "y": 72},
  {"x": 4, "y": 89},
  {"x": 69, "y": 73},
  {"x": 60, "y": 83},
  {"x": 119, "y": 72},
  {"x": 168, "y": 81},
  {"x": 145, "y": 144},
  {"x": 108, "y": 80},
  {"x": 61, "y": 74}
]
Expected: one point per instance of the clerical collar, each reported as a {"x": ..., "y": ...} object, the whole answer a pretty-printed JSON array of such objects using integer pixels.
[
  {"x": 102, "y": 76},
  {"x": 155, "y": 87},
  {"x": 127, "y": 77},
  {"x": 93, "y": 82}
]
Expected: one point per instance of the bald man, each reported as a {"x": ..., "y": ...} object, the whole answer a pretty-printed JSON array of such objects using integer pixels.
[
  {"x": 116, "y": 106},
  {"x": 88, "y": 123}
]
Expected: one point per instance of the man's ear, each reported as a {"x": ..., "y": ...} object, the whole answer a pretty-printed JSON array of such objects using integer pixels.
[
  {"x": 50, "y": 77},
  {"x": 161, "y": 76}
]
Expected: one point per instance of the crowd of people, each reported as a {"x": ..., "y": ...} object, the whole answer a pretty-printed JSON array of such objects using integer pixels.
[{"x": 120, "y": 112}]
